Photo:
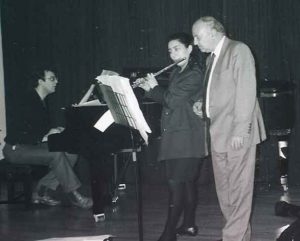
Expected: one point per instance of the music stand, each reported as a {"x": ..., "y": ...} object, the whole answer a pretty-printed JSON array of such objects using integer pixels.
[{"x": 116, "y": 103}]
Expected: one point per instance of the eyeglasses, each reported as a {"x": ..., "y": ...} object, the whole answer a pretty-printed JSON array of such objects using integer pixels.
[{"x": 52, "y": 78}]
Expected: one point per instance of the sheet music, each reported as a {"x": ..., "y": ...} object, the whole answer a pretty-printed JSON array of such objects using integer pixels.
[
  {"x": 105, "y": 121},
  {"x": 122, "y": 86},
  {"x": 88, "y": 94},
  {"x": 90, "y": 103}
]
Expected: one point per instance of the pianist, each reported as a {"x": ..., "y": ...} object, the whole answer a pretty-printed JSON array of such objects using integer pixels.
[{"x": 26, "y": 143}]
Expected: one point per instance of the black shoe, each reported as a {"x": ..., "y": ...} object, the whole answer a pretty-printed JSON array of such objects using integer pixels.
[
  {"x": 81, "y": 201},
  {"x": 189, "y": 231}
]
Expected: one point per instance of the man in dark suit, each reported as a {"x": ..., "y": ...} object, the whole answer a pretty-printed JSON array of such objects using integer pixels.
[
  {"x": 26, "y": 143},
  {"x": 236, "y": 124}
]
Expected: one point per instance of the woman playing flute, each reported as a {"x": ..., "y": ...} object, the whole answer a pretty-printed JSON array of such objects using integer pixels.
[{"x": 183, "y": 134}]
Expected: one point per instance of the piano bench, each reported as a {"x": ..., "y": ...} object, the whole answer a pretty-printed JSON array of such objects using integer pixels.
[{"x": 16, "y": 182}]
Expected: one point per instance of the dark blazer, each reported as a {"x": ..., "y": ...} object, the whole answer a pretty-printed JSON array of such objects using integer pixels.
[
  {"x": 183, "y": 132},
  {"x": 31, "y": 121},
  {"x": 233, "y": 106}
]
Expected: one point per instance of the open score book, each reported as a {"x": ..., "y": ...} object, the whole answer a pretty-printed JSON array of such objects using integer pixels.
[{"x": 121, "y": 86}]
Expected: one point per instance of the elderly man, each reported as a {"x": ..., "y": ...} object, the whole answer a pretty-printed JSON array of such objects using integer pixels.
[{"x": 235, "y": 123}]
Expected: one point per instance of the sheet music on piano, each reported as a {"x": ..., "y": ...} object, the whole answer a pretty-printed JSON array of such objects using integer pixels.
[{"x": 84, "y": 101}]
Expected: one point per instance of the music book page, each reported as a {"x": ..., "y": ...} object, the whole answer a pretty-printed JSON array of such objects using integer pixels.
[
  {"x": 90, "y": 103},
  {"x": 105, "y": 121},
  {"x": 122, "y": 86}
]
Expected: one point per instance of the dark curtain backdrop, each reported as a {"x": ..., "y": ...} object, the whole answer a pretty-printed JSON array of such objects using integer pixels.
[{"x": 83, "y": 37}]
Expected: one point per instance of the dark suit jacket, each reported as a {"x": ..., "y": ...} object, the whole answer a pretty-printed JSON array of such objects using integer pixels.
[
  {"x": 31, "y": 121},
  {"x": 183, "y": 132},
  {"x": 233, "y": 106}
]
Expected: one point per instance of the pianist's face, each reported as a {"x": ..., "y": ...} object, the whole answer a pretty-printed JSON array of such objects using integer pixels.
[
  {"x": 178, "y": 50},
  {"x": 49, "y": 83}
]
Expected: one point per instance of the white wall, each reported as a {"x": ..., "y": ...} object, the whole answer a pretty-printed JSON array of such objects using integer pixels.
[{"x": 2, "y": 99}]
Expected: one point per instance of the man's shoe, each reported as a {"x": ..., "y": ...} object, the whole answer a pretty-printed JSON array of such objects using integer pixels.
[
  {"x": 44, "y": 199},
  {"x": 81, "y": 201},
  {"x": 189, "y": 231}
]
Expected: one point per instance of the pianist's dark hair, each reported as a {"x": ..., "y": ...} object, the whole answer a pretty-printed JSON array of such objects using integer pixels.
[
  {"x": 36, "y": 73},
  {"x": 187, "y": 39}
]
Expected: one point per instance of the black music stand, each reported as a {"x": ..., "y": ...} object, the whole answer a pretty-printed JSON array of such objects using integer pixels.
[{"x": 117, "y": 105}]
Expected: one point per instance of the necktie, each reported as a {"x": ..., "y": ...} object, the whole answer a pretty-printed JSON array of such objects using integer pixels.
[{"x": 205, "y": 81}]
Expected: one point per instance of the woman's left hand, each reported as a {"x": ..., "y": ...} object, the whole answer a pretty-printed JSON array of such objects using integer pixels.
[
  {"x": 144, "y": 85},
  {"x": 151, "y": 80}
]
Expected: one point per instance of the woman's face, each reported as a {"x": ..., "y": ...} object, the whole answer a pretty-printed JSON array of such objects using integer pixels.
[{"x": 178, "y": 50}]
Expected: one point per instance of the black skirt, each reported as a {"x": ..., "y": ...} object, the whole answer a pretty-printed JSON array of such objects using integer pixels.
[{"x": 183, "y": 169}]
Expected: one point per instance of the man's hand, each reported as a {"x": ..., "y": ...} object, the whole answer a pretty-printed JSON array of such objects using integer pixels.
[
  {"x": 60, "y": 128},
  {"x": 237, "y": 142},
  {"x": 56, "y": 130},
  {"x": 197, "y": 108}
]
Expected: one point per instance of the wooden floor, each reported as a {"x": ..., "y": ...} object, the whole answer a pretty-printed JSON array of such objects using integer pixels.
[{"x": 40, "y": 222}]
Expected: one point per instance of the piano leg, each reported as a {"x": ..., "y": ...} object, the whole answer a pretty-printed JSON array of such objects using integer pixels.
[
  {"x": 119, "y": 173},
  {"x": 99, "y": 187}
]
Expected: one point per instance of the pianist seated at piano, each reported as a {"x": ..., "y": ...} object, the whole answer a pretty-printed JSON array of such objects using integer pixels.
[{"x": 26, "y": 143}]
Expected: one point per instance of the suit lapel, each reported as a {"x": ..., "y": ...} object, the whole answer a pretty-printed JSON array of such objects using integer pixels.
[{"x": 220, "y": 62}]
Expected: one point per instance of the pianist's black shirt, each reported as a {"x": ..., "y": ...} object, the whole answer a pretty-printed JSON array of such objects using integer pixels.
[{"x": 30, "y": 121}]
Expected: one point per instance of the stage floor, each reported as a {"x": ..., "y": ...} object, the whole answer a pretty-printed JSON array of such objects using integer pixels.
[{"x": 40, "y": 222}]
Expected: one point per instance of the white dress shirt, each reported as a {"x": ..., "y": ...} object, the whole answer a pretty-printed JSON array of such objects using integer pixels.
[{"x": 217, "y": 53}]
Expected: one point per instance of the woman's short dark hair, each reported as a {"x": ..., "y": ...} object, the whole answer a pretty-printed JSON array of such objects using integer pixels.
[
  {"x": 183, "y": 38},
  {"x": 187, "y": 40}
]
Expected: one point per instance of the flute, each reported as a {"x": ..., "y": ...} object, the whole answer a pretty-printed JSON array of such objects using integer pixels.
[{"x": 142, "y": 80}]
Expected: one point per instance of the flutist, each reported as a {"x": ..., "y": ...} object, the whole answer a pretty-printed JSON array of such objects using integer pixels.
[{"x": 183, "y": 141}]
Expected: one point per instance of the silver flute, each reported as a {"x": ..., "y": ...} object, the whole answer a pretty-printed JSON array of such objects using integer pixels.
[{"x": 143, "y": 80}]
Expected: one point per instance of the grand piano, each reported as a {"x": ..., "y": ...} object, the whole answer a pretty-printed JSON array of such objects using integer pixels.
[{"x": 80, "y": 137}]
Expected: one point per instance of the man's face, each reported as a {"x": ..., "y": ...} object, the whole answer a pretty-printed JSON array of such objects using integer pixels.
[
  {"x": 49, "y": 83},
  {"x": 203, "y": 37}
]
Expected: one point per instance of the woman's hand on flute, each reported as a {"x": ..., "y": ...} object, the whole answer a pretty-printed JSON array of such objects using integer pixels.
[
  {"x": 142, "y": 83},
  {"x": 147, "y": 83},
  {"x": 151, "y": 80}
]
